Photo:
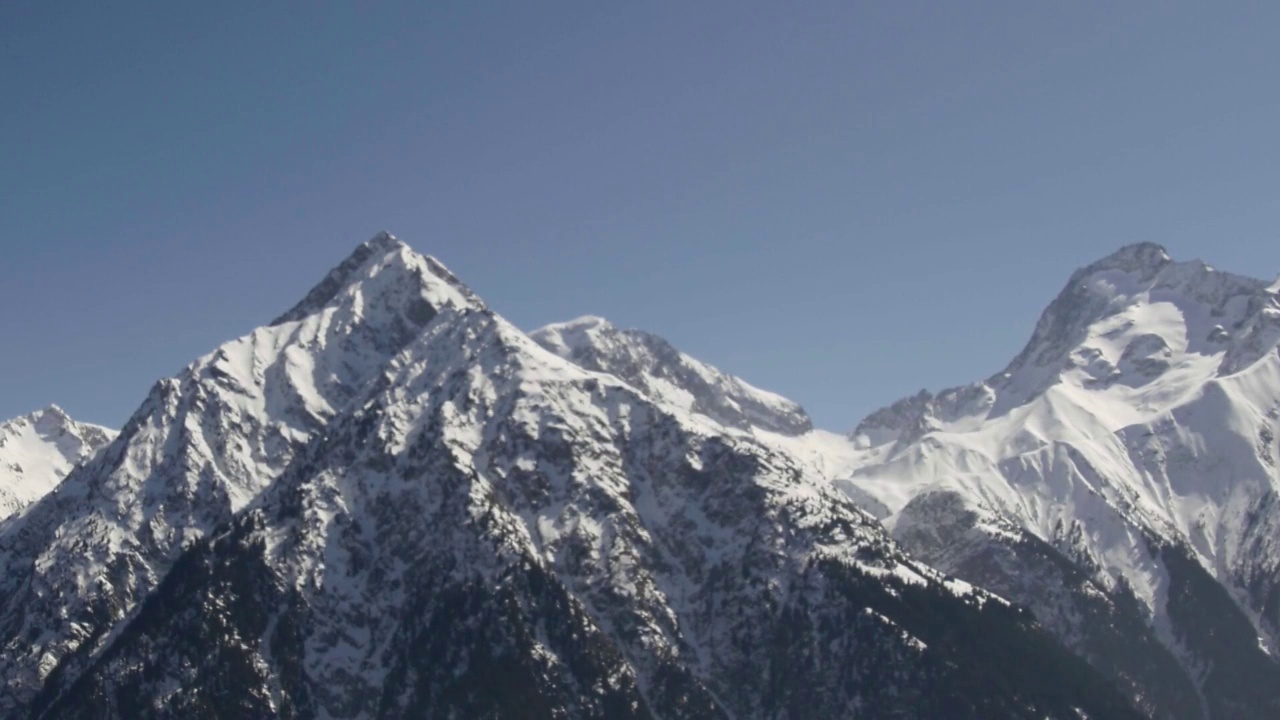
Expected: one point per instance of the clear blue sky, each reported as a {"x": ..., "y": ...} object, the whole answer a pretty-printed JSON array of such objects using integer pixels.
[{"x": 840, "y": 201}]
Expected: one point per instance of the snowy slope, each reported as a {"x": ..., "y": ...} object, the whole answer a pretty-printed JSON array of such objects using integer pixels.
[
  {"x": 467, "y": 523},
  {"x": 38, "y": 450},
  {"x": 1136, "y": 436}
]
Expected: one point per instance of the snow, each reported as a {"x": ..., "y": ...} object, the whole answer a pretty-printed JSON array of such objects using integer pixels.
[{"x": 38, "y": 450}]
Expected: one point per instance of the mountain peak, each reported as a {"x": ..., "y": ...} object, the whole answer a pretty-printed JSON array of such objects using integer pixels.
[
  {"x": 45, "y": 421},
  {"x": 1119, "y": 323},
  {"x": 584, "y": 322},
  {"x": 652, "y": 365},
  {"x": 50, "y": 420},
  {"x": 1113, "y": 286},
  {"x": 384, "y": 251},
  {"x": 1134, "y": 257},
  {"x": 339, "y": 277},
  {"x": 384, "y": 241},
  {"x": 572, "y": 336},
  {"x": 38, "y": 449}
]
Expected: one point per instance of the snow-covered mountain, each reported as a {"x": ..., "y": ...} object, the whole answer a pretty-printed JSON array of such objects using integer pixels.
[
  {"x": 392, "y": 503},
  {"x": 201, "y": 447},
  {"x": 38, "y": 450},
  {"x": 1122, "y": 466}
]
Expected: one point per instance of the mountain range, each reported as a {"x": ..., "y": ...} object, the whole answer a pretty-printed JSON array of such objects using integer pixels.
[{"x": 390, "y": 502}]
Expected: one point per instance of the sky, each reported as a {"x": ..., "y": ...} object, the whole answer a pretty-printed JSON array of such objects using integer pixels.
[{"x": 843, "y": 202}]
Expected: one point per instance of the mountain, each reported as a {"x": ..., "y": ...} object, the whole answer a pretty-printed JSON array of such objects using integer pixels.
[
  {"x": 38, "y": 450},
  {"x": 1118, "y": 478},
  {"x": 392, "y": 503},
  {"x": 200, "y": 448}
]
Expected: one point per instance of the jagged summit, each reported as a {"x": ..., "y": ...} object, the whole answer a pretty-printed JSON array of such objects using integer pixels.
[
  {"x": 53, "y": 423},
  {"x": 49, "y": 416},
  {"x": 1139, "y": 287},
  {"x": 340, "y": 276},
  {"x": 38, "y": 449},
  {"x": 652, "y": 365},
  {"x": 582, "y": 322},
  {"x": 1135, "y": 257},
  {"x": 53, "y": 412},
  {"x": 570, "y": 336},
  {"x": 383, "y": 240},
  {"x": 1118, "y": 326},
  {"x": 383, "y": 254},
  {"x": 889, "y": 423},
  {"x": 52, "y": 419}
]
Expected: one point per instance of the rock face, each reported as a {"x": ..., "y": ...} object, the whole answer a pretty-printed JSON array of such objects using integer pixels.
[
  {"x": 38, "y": 450},
  {"x": 391, "y": 503},
  {"x": 1118, "y": 478}
]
